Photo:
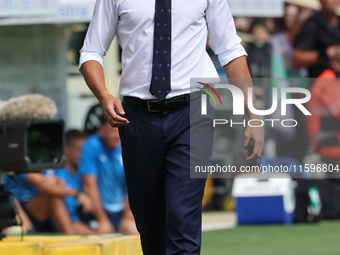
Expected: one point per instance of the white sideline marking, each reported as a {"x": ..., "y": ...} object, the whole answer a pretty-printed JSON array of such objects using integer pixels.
[{"x": 218, "y": 226}]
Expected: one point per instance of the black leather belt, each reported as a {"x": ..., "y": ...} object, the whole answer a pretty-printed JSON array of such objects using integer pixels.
[{"x": 154, "y": 105}]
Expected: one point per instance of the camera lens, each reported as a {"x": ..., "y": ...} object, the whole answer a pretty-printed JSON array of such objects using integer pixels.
[{"x": 43, "y": 143}]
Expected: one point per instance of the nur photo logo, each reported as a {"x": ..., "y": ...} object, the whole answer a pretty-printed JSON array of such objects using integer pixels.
[{"x": 238, "y": 104}]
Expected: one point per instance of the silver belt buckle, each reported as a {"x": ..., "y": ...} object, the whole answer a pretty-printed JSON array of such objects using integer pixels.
[{"x": 148, "y": 105}]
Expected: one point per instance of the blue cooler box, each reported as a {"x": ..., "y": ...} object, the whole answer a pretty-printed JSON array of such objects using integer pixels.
[{"x": 264, "y": 199}]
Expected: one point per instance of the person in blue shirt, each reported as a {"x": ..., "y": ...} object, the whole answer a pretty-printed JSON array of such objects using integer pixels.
[
  {"x": 74, "y": 140},
  {"x": 41, "y": 195},
  {"x": 102, "y": 172}
]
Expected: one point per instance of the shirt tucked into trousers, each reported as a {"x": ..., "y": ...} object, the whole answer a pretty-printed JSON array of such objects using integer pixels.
[{"x": 157, "y": 146}]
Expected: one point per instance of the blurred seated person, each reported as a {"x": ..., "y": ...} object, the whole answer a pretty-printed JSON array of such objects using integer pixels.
[
  {"x": 324, "y": 123},
  {"x": 74, "y": 140},
  {"x": 41, "y": 197},
  {"x": 102, "y": 172},
  {"x": 319, "y": 39}
]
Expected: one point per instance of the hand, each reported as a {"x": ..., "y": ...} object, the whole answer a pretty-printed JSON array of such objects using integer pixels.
[
  {"x": 109, "y": 104},
  {"x": 333, "y": 51},
  {"x": 105, "y": 227},
  {"x": 86, "y": 203},
  {"x": 256, "y": 134}
]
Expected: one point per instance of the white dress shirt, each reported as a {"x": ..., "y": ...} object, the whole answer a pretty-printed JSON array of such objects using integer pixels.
[{"x": 132, "y": 21}]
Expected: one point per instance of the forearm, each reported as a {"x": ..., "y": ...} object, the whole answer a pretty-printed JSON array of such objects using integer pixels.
[
  {"x": 305, "y": 58},
  {"x": 50, "y": 185},
  {"x": 238, "y": 74},
  {"x": 94, "y": 77},
  {"x": 57, "y": 189},
  {"x": 60, "y": 191},
  {"x": 93, "y": 192}
]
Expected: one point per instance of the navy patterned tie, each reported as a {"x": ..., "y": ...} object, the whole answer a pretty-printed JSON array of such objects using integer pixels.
[{"x": 161, "y": 62}]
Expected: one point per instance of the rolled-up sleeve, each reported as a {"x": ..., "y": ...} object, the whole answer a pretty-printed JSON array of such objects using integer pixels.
[
  {"x": 100, "y": 32},
  {"x": 223, "y": 38}
]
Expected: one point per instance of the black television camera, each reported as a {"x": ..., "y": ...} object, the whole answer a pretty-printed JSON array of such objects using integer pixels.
[{"x": 27, "y": 146}]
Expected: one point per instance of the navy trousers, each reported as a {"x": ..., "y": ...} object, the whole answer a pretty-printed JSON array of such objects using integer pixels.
[{"x": 165, "y": 201}]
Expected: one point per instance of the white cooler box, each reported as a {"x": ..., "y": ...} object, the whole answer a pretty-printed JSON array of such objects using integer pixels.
[{"x": 264, "y": 199}]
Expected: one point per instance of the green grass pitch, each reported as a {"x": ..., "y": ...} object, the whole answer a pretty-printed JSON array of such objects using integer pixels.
[{"x": 299, "y": 239}]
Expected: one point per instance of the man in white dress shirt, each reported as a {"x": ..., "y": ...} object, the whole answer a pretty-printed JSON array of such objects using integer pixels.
[{"x": 163, "y": 46}]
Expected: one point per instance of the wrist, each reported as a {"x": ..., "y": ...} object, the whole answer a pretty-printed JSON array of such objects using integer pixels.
[
  {"x": 101, "y": 97},
  {"x": 253, "y": 117}
]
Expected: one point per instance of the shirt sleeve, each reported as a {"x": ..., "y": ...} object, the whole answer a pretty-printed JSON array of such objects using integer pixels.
[
  {"x": 223, "y": 39},
  {"x": 87, "y": 164},
  {"x": 100, "y": 33}
]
